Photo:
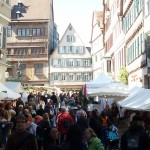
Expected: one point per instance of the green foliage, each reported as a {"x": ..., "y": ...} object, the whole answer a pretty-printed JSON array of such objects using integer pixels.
[{"x": 123, "y": 75}]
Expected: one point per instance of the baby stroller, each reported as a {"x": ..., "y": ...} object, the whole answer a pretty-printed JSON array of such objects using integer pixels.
[{"x": 112, "y": 138}]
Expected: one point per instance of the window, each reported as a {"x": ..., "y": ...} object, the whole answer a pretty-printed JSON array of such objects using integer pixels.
[
  {"x": 78, "y": 77},
  {"x": 23, "y": 69},
  {"x": 71, "y": 76},
  {"x": 61, "y": 50},
  {"x": 86, "y": 62},
  {"x": 23, "y": 32},
  {"x": 9, "y": 51},
  {"x": 55, "y": 76},
  {"x": 38, "y": 68},
  {"x": 78, "y": 62},
  {"x": 67, "y": 49},
  {"x": 63, "y": 76},
  {"x": 63, "y": 62},
  {"x": 20, "y": 4},
  {"x": 38, "y": 32},
  {"x": 74, "y": 50},
  {"x": 108, "y": 65},
  {"x": 40, "y": 50},
  {"x": 20, "y": 51},
  {"x": 80, "y": 49},
  {"x": 71, "y": 62},
  {"x": 86, "y": 76},
  {"x": 71, "y": 38},
  {"x": 9, "y": 31},
  {"x": 18, "y": 14},
  {"x": 27, "y": 32}
]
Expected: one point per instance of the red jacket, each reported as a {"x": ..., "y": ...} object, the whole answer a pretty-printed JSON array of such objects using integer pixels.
[{"x": 61, "y": 128}]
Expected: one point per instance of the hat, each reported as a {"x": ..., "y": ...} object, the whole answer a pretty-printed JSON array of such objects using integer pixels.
[{"x": 137, "y": 118}]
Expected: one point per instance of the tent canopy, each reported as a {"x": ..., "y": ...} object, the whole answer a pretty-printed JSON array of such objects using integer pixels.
[
  {"x": 99, "y": 82},
  {"x": 11, "y": 95},
  {"x": 139, "y": 99},
  {"x": 15, "y": 86},
  {"x": 111, "y": 89},
  {"x": 3, "y": 95}
]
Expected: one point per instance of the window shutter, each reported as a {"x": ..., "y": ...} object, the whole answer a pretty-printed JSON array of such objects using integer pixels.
[
  {"x": 1, "y": 37},
  {"x": 4, "y": 38}
]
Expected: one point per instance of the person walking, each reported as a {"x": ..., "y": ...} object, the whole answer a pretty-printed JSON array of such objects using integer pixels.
[
  {"x": 95, "y": 123},
  {"x": 64, "y": 121},
  {"x": 21, "y": 139},
  {"x": 51, "y": 141},
  {"x": 94, "y": 143},
  {"x": 74, "y": 139},
  {"x": 135, "y": 138}
]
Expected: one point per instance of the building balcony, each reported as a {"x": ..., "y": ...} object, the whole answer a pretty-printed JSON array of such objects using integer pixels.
[
  {"x": 28, "y": 58},
  {"x": 27, "y": 39}
]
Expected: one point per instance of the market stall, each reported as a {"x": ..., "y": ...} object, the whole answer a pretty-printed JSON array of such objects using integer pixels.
[{"x": 11, "y": 95}]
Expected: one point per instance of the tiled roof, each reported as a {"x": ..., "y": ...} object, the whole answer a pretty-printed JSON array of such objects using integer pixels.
[{"x": 31, "y": 9}]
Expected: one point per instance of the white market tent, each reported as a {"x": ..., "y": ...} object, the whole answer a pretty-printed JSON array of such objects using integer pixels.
[
  {"x": 139, "y": 99},
  {"x": 99, "y": 82},
  {"x": 3, "y": 95},
  {"x": 15, "y": 86},
  {"x": 11, "y": 95},
  {"x": 52, "y": 88},
  {"x": 112, "y": 89}
]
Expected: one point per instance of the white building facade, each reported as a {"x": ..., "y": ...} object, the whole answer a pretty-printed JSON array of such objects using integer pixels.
[
  {"x": 114, "y": 37},
  {"x": 97, "y": 44},
  {"x": 70, "y": 63},
  {"x": 133, "y": 28}
]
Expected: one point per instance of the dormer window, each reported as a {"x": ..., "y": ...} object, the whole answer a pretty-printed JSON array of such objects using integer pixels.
[
  {"x": 18, "y": 14},
  {"x": 19, "y": 4}
]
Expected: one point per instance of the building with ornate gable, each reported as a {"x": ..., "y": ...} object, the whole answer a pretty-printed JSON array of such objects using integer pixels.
[
  {"x": 30, "y": 40},
  {"x": 70, "y": 63}
]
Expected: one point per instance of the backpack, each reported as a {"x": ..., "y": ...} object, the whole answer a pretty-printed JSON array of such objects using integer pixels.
[{"x": 66, "y": 123}]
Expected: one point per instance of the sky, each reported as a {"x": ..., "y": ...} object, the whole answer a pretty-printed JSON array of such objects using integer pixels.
[{"x": 78, "y": 13}]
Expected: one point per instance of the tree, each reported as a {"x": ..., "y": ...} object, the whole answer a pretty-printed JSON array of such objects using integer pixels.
[{"x": 123, "y": 75}]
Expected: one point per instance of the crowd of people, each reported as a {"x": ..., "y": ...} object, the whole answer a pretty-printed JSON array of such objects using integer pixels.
[{"x": 51, "y": 122}]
